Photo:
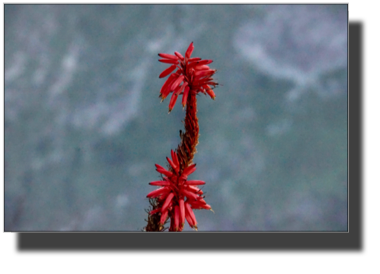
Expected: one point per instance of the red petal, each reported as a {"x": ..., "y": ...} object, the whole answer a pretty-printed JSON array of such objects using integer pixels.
[
  {"x": 162, "y": 170},
  {"x": 189, "y": 194},
  {"x": 177, "y": 82},
  {"x": 185, "y": 95},
  {"x": 190, "y": 169},
  {"x": 172, "y": 101},
  {"x": 158, "y": 192},
  {"x": 179, "y": 90},
  {"x": 200, "y": 201},
  {"x": 189, "y": 50},
  {"x": 195, "y": 182},
  {"x": 190, "y": 216},
  {"x": 211, "y": 93},
  {"x": 174, "y": 166},
  {"x": 176, "y": 218},
  {"x": 182, "y": 211},
  {"x": 175, "y": 158},
  {"x": 179, "y": 55},
  {"x": 162, "y": 197},
  {"x": 155, "y": 211},
  {"x": 201, "y": 73},
  {"x": 164, "y": 215},
  {"x": 199, "y": 63},
  {"x": 189, "y": 220},
  {"x": 194, "y": 59},
  {"x": 202, "y": 67},
  {"x": 168, "y": 56},
  {"x": 191, "y": 212},
  {"x": 167, "y": 201},
  {"x": 164, "y": 90},
  {"x": 211, "y": 83},
  {"x": 196, "y": 205},
  {"x": 167, "y": 61},
  {"x": 195, "y": 189},
  {"x": 167, "y": 71},
  {"x": 160, "y": 183}
]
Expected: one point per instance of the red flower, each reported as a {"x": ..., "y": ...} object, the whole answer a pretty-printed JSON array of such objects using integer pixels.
[
  {"x": 177, "y": 195},
  {"x": 193, "y": 73}
]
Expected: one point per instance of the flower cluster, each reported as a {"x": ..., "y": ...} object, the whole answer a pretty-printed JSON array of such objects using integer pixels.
[
  {"x": 192, "y": 75},
  {"x": 177, "y": 195}
]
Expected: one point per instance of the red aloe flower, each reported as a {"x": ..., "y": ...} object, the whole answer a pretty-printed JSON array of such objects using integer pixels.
[
  {"x": 177, "y": 196},
  {"x": 192, "y": 73}
]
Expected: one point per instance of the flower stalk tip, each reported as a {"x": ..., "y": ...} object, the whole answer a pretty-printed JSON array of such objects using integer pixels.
[{"x": 193, "y": 72}]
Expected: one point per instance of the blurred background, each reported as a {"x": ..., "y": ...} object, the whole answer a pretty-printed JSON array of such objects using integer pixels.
[{"x": 84, "y": 125}]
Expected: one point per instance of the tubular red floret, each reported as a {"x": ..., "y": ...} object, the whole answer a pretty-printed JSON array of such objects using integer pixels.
[
  {"x": 174, "y": 166},
  {"x": 165, "y": 90},
  {"x": 179, "y": 55},
  {"x": 175, "y": 158},
  {"x": 168, "y": 56},
  {"x": 177, "y": 82},
  {"x": 194, "y": 59},
  {"x": 195, "y": 189},
  {"x": 211, "y": 93},
  {"x": 167, "y": 201},
  {"x": 162, "y": 170},
  {"x": 159, "y": 183},
  {"x": 189, "y": 194},
  {"x": 167, "y": 71},
  {"x": 158, "y": 192},
  {"x": 164, "y": 216},
  {"x": 195, "y": 182},
  {"x": 187, "y": 171},
  {"x": 168, "y": 61},
  {"x": 185, "y": 95},
  {"x": 182, "y": 211},
  {"x": 155, "y": 211},
  {"x": 176, "y": 218},
  {"x": 199, "y": 63},
  {"x": 180, "y": 88},
  {"x": 189, "y": 50},
  {"x": 173, "y": 100},
  {"x": 189, "y": 220},
  {"x": 191, "y": 214}
]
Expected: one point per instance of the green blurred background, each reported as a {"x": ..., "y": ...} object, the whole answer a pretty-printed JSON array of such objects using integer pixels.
[{"x": 84, "y": 125}]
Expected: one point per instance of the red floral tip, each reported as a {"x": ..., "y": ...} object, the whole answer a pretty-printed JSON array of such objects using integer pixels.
[
  {"x": 168, "y": 56},
  {"x": 167, "y": 71},
  {"x": 194, "y": 182},
  {"x": 172, "y": 101},
  {"x": 189, "y": 50},
  {"x": 184, "y": 96},
  {"x": 191, "y": 215},
  {"x": 176, "y": 218},
  {"x": 174, "y": 157},
  {"x": 164, "y": 216},
  {"x": 162, "y": 170},
  {"x": 158, "y": 192},
  {"x": 159, "y": 183},
  {"x": 177, "y": 82},
  {"x": 210, "y": 92},
  {"x": 195, "y": 74},
  {"x": 168, "y": 61},
  {"x": 155, "y": 211},
  {"x": 178, "y": 197},
  {"x": 179, "y": 55},
  {"x": 173, "y": 165},
  {"x": 187, "y": 171}
]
